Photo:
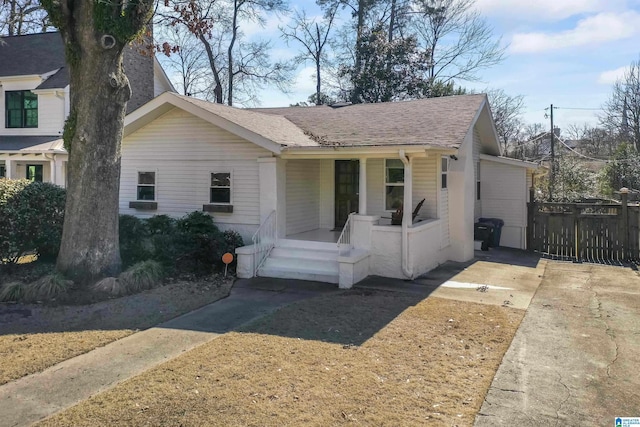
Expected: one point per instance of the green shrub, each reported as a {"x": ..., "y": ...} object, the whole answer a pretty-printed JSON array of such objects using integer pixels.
[
  {"x": 133, "y": 240},
  {"x": 31, "y": 218},
  {"x": 141, "y": 276},
  {"x": 161, "y": 224},
  {"x": 11, "y": 292},
  {"x": 232, "y": 240}
]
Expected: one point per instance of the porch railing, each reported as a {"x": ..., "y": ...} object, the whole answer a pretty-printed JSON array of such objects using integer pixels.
[
  {"x": 344, "y": 241},
  {"x": 264, "y": 240}
]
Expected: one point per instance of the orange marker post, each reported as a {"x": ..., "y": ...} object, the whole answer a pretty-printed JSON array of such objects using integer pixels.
[{"x": 227, "y": 259}]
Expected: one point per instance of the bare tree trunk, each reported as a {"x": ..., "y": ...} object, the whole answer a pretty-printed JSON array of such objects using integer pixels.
[
  {"x": 217, "y": 91},
  {"x": 234, "y": 28},
  {"x": 355, "y": 98},
  {"x": 93, "y": 133},
  {"x": 318, "y": 59}
]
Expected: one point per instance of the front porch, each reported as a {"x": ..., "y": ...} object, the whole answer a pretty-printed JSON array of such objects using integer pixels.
[{"x": 330, "y": 218}]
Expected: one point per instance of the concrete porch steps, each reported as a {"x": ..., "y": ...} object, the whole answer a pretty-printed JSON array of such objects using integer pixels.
[{"x": 302, "y": 260}]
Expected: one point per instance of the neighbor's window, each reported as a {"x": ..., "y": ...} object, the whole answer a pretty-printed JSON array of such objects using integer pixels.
[
  {"x": 21, "y": 109},
  {"x": 34, "y": 172},
  {"x": 394, "y": 183},
  {"x": 477, "y": 180},
  {"x": 220, "y": 188},
  {"x": 445, "y": 172},
  {"x": 146, "y": 186},
  {"x": 3, "y": 171}
]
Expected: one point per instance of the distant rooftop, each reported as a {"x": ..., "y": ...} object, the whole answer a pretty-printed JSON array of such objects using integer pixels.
[{"x": 32, "y": 54}]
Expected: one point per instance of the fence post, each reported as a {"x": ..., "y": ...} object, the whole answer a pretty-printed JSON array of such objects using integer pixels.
[
  {"x": 531, "y": 220},
  {"x": 624, "y": 228}
]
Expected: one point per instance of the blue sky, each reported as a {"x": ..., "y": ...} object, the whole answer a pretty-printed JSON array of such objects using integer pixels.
[{"x": 565, "y": 52}]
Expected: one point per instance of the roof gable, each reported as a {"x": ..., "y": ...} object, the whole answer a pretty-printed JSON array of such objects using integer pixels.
[{"x": 271, "y": 133}]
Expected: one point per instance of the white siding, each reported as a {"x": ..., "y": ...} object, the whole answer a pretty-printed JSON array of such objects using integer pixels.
[
  {"x": 51, "y": 109},
  {"x": 504, "y": 193},
  {"x": 375, "y": 187},
  {"x": 303, "y": 195},
  {"x": 445, "y": 239},
  {"x": 477, "y": 149},
  {"x": 327, "y": 193},
  {"x": 184, "y": 150},
  {"x": 425, "y": 186}
]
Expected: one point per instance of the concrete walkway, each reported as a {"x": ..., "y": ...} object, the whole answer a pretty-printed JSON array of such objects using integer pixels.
[
  {"x": 574, "y": 359},
  {"x": 29, "y": 399}
]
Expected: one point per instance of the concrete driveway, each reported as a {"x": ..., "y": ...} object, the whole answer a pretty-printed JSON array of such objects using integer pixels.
[{"x": 574, "y": 360}]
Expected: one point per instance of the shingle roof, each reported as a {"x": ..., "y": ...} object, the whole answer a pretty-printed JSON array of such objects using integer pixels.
[
  {"x": 30, "y": 143},
  {"x": 439, "y": 122},
  {"x": 31, "y": 54},
  {"x": 59, "y": 80},
  {"x": 275, "y": 128}
]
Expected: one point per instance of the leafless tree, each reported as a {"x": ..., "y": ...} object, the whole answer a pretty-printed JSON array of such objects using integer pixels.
[
  {"x": 18, "y": 17},
  {"x": 459, "y": 41},
  {"x": 235, "y": 64},
  {"x": 622, "y": 110},
  {"x": 313, "y": 36},
  {"x": 507, "y": 111},
  {"x": 189, "y": 62}
]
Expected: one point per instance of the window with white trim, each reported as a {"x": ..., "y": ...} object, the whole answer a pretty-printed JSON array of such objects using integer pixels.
[
  {"x": 220, "y": 192},
  {"x": 146, "y": 186},
  {"x": 444, "y": 172},
  {"x": 393, "y": 184},
  {"x": 3, "y": 171}
]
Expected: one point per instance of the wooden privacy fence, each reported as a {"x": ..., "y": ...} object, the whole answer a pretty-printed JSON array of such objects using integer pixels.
[{"x": 589, "y": 232}]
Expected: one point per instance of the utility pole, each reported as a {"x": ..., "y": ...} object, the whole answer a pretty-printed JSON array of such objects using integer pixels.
[{"x": 552, "y": 181}]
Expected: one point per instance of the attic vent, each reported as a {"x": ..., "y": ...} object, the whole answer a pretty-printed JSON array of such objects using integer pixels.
[{"x": 340, "y": 104}]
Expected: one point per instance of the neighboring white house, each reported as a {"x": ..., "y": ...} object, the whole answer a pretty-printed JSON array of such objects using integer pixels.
[
  {"x": 292, "y": 177},
  {"x": 34, "y": 93}
]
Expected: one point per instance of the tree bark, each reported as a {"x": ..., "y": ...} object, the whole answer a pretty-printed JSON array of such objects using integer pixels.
[
  {"x": 93, "y": 134},
  {"x": 237, "y": 4}
]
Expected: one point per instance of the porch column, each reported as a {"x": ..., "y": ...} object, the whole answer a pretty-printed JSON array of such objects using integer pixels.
[
  {"x": 271, "y": 174},
  {"x": 8, "y": 169},
  {"x": 61, "y": 178},
  {"x": 362, "y": 200},
  {"x": 407, "y": 204},
  {"x": 53, "y": 173}
]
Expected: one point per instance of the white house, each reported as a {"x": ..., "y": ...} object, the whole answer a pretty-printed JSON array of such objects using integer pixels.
[
  {"x": 313, "y": 189},
  {"x": 34, "y": 88}
]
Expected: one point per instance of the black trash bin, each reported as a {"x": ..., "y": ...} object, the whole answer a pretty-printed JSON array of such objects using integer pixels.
[
  {"x": 483, "y": 231},
  {"x": 497, "y": 230}
]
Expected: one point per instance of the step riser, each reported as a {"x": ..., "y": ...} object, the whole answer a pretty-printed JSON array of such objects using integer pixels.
[
  {"x": 302, "y": 254},
  {"x": 298, "y": 275},
  {"x": 307, "y": 244},
  {"x": 328, "y": 266}
]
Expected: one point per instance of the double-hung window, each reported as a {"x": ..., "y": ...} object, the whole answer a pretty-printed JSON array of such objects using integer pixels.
[
  {"x": 146, "y": 186},
  {"x": 21, "y": 108},
  {"x": 444, "y": 172},
  {"x": 393, "y": 184},
  {"x": 220, "y": 191}
]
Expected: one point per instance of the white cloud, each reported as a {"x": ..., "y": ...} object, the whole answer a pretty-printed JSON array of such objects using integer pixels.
[
  {"x": 269, "y": 30},
  {"x": 611, "y": 76},
  {"x": 305, "y": 82},
  {"x": 546, "y": 10},
  {"x": 604, "y": 27}
]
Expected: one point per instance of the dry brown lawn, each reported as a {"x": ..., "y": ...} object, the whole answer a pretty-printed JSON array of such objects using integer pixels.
[
  {"x": 33, "y": 338},
  {"x": 361, "y": 358}
]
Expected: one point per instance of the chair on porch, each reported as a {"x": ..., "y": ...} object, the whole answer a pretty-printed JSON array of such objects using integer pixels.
[{"x": 396, "y": 217}]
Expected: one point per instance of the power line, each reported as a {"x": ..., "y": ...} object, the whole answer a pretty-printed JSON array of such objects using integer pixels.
[{"x": 578, "y": 108}]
